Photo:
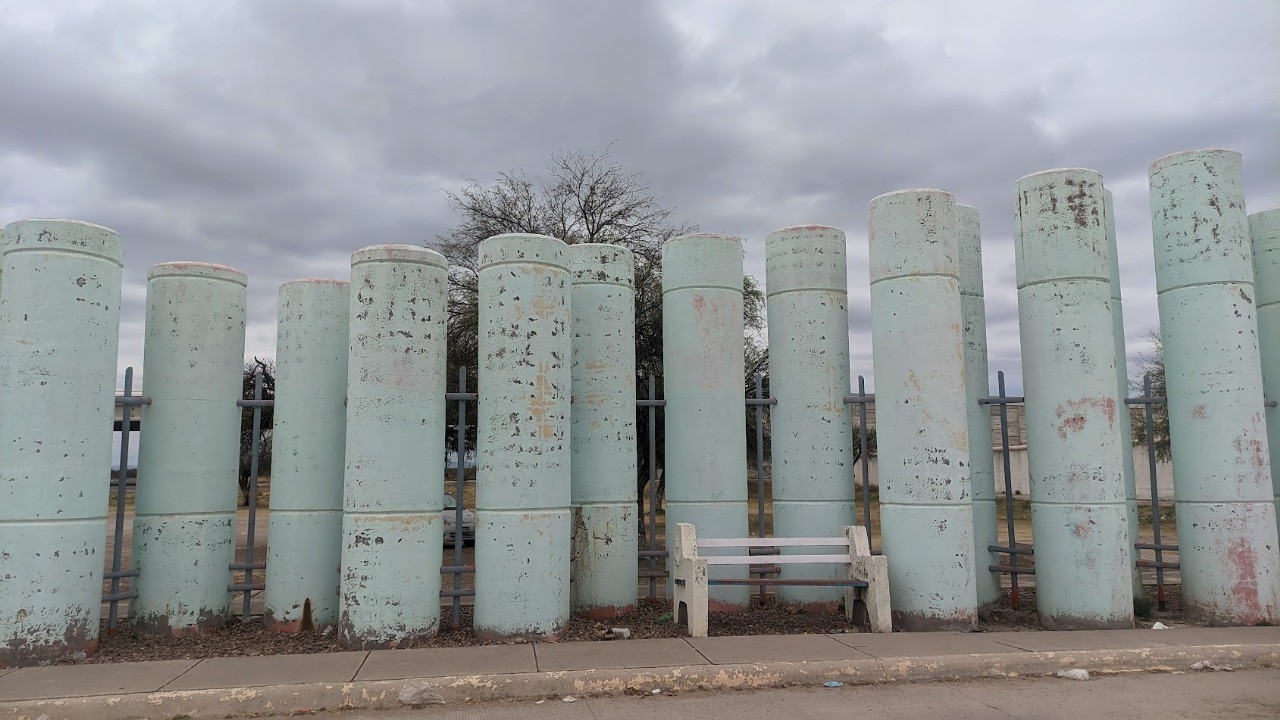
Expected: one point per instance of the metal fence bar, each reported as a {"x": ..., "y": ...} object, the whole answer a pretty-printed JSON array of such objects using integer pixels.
[
  {"x": 653, "y": 488},
  {"x": 1149, "y": 421},
  {"x": 1013, "y": 549},
  {"x": 861, "y": 400},
  {"x": 459, "y": 488},
  {"x": 117, "y": 551},
  {"x": 257, "y": 403},
  {"x": 760, "y": 464}
]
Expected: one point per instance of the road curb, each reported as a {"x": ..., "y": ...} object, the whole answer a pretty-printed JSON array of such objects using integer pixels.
[{"x": 384, "y": 694}]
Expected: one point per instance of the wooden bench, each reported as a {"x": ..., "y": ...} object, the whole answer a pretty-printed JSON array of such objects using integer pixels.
[{"x": 866, "y": 576}]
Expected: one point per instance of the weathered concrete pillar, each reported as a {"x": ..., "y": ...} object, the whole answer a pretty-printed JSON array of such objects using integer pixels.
[
  {"x": 973, "y": 308},
  {"x": 926, "y": 505},
  {"x": 706, "y": 410},
  {"x": 308, "y": 459},
  {"x": 1122, "y": 394},
  {"x": 189, "y": 452},
  {"x": 393, "y": 486},
  {"x": 809, "y": 376},
  {"x": 523, "y": 483},
  {"x": 603, "y": 430},
  {"x": 59, "y": 321},
  {"x": 1217, "y": 423},
  {"x": 1075, "y": 451},
  {"x": 1264, "y": 227}
]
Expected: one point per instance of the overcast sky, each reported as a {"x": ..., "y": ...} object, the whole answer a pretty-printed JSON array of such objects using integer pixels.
[{"x": 278, "y": 137}]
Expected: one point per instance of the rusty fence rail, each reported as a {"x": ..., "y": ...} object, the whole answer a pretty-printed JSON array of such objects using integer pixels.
[{"x": 652, "y": 554}]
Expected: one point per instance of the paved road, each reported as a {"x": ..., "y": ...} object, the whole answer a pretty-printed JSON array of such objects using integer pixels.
[{"x": 1235, "y": 695}]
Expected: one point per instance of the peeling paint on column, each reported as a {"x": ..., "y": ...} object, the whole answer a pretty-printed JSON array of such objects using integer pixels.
[
  {"x": 973, "y": 307},
  {"x": 702, "y": 350},
  {"x": 188, "y": 454},
  {"x": 603, "y": 430},
  {"x": 1075, "y": 447},
  {"x": 59, "y": 316},
  {"x": 1122, "y": 392},
  {"x": 926, "y": 506},
  {"x": 393, "y": 486},
  {"x": 808, "y": 304},
  {"x": 308, "y": 456},
  {"x": 523, "y": 483},
  {"x": 1264, "y": 228},
  {"x": 1227, "y": 533}
]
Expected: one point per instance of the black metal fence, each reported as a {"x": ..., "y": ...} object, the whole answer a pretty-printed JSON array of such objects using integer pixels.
[{"x": 653, "y": 553}]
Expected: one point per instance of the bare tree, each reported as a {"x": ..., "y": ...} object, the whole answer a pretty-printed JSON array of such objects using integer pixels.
[
  {"x": 267, "y": 368},
  {"x": 581, "y": 198},
  {"x": 1152, "y": 365}
]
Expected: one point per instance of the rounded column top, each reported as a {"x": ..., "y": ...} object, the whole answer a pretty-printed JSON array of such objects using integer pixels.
[
  {"x": 1265, "y": 228},
  {"x": 702, "y": 260},
  {"x": 323, "y": 286},
  {"x": 1198, "y": 219},
  {"x": 1059, "y": 230},
  {"x": 601, "y": 263},
  {"x": 523, "y": 248},
  {"x": 805, "y": 257},
  {"x": 399, "y": 253},
  {"x": 912, "y": 232},
  {"x": 969, "y": 242},
  {"x": 211, "y": 271},
  {"x": 73, "y": 236}
]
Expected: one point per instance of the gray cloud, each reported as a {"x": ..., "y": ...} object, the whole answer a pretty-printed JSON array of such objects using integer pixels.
[{"x": 279, "y": 137}]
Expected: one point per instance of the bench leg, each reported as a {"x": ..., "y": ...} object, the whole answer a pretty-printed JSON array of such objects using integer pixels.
[{"x": 875, "y": 571}]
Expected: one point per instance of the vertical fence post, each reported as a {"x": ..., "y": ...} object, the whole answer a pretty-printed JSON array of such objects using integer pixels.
[
  {"x": 255, "y": 448},
  {"x": 864, "y": 444},
  {"x": 1149, "y": 422},
  {"x": 460, "y": 489},
  {"x": 1008, "y": 489},
  {"x": 653, "y": 487},
  {"x": 117, "y": 552},
  {"x": 760, "y": 468}
]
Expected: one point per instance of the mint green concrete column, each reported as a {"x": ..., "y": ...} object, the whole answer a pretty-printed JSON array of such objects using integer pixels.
[
  {"x": 189, "y": 452},
  {"x": 1122, "y": 393},
  {"x": 1227, "y": 534},
  {"x": 523, "y": 483},
  {"x": 393, "y": 487},
  {"x": 917, "y": 329},
  {"x": 603, "y": 430},
  {"x": 973, "y": 308},
  {"x": 304, "y": 547},
  {"x": 59, "y": 322},
  {"x": 809, "y": 376},
  {"x": 706, "y": 412},
  {"x": 1265, "y": 229},
  {"x": 1075, "y": 451}
]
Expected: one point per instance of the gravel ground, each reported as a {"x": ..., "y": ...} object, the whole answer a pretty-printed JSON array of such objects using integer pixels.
[{"x": 651, "y": 619}]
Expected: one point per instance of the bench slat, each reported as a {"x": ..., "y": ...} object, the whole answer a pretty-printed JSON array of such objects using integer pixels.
[
  {"x": 772, "y": 542},
  {"x": 775, "y": 559}
]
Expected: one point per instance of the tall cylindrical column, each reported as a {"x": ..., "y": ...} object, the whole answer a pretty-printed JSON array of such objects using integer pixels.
[
  {"x": 184, "y": 529},
  {"x": 1122, "y": 394},
  {"x": 808, "y": 303},
  {"x": 603, "y": 430},
  {"x": 59, "y": 323},
  {"x": 523, "y": 483},
  {"x": 1264, "y": 227},
  {"x": 1075, "y": 451},
  {"x": 308, "y": 455},
  {"x": 973, "y": 308},
  {"x": 706, "y": 411},
  {"x": 917, "y": 327},
  {"x": 393, "y": 487},
  {"x": 1227, "y": 534}
]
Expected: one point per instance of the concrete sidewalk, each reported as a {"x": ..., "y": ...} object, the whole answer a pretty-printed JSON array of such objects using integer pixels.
[{"x": 221, "y": 687}]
